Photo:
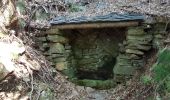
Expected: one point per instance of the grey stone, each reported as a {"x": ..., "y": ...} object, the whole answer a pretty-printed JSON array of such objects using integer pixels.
[
  {"x": 133, "y": 51},
  {"x": 136, "y": 31},
  {"x": 138, "y": 42},
  {"x": 57, "y": 55},
  {"x": 61, "y": 66},
  {"x": 57, "y": 39},
  {"x": 159, "y": 36},
  {"x": 138, "y": 46},
  {"x": 56, "y": 48},
  {"x": 60, "y": 59},
  {"x": 144, "y": 38},
  {"x": 87, "y": 61},
  {"x": 53, "y": 30}
]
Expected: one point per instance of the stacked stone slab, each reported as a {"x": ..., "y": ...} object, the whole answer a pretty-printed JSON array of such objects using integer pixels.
[
  {"x": 57, "y": 50},
  {"x": 159, "y": 30},
  {"x": 133, "y": 49}
]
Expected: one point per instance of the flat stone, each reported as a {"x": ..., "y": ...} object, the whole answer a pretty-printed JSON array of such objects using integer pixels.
[
  {"x": 147, "y": 38},
  {"x": 53, "y": 31},
  {"x": 57, "y": 39},
  {"x": 60, "y": 59},
  {"x": 56, "y": 48},
  {"x": 45, "y": 45},
  {"x": 136, "y": 31},
  {"x": 159, "y": 36},
  {"x": 58, "y": 55},
  {"x": 133, "y": 51},
  {"x": 138, "y": 42},
  {"x": 138, "y": 46},
  {"x": 133, "y": 56},
  {"x": 87, "y": 61},
  {"x": 61, "y": 66}
]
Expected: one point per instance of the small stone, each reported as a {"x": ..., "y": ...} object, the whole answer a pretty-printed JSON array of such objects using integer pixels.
[
  {"x": 89, "y": 89},
  {"x": 147, "y": 38},
  {"x": 133, "y": 56},
  {"x": 56, "y": 48},
  {"x": 60, "y": 59},
  {"x": 53, "y": 31},
  {"x": 61, "y": 66},
  {"x": 57, "y": 39},
  {"x": 132, "y": 51},
  {"x": 136, "y": 31},
  {"x": 158, "y": 36},
  {"x": 138, "y": 46}
]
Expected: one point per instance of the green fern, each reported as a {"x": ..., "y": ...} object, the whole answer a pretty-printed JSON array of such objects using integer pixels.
[{"x": 162, "y": 67}]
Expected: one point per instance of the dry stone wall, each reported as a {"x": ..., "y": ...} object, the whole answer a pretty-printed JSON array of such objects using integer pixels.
[{"x": 79, "y": 51}]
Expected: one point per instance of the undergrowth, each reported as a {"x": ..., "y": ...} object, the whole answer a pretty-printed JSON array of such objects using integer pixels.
[{"x": 160, "y": 78}]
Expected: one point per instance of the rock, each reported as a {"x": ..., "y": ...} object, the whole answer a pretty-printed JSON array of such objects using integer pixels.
[
  {"x": 45, "y": 45},
  {"x": 87, "y": 61},
  {"x": 138, "y": 46},
  {"x": 124, "y": 70},
  {"x": 138, "y": 63},
  {"x": 61, "y": 66},
  {"x": 133, "y": 51},
  {"x": 57, "y": 48},
  {"x": 60, "y": 59},
  {"x": 57, "y": 55},
  {"x": 123, "y": 62},
  {"x": 53, "y": 31},
  {"x": 136, "y": 31},
  {"x": 133, "y": 56},
  {"x": 138, "y": 42},
  {"x": 57, "y": 39},
  {"x": 144, "y": 38},
  {"x": 89, "y": 89},
  {"x": 158, "y": 36}
]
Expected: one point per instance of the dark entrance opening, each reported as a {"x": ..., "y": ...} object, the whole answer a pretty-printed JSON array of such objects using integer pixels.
[{"x": 94, "y": 51}]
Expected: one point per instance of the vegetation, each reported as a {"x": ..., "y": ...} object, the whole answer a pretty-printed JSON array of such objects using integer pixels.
[{"x": 26, "y": 74}]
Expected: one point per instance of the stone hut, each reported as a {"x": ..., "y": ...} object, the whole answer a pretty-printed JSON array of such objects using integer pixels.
[{"x": 98, "y": 51}]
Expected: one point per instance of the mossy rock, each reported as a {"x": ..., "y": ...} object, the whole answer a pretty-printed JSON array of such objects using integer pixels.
[
  {"x": 57, "y": 39},
  {"x": 56, "y": 48},
  {"x": 136, "y": 31}
]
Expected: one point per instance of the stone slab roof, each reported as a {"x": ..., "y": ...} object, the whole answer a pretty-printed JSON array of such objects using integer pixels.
[{"x": 111, "y": 17}]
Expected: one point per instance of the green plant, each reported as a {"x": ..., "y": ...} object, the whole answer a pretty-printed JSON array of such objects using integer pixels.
[
  {"x": 162, "y": 67},
  {"x": 146, "y": 79}
]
